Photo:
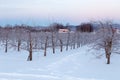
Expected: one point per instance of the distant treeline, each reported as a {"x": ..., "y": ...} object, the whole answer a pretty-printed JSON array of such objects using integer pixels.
[{"x": 84, "y": 27}]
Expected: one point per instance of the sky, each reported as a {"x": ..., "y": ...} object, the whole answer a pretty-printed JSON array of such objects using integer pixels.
[{"x": 45, "y": 12}]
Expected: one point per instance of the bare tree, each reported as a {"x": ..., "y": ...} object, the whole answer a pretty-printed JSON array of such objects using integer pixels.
[
  {"x": 53, "y": 42},
  {"x": 46, "y": 42},
  {"x": 6, "y": 36},
  {"x": 61, "y": 45},
  {"x": 78, "y": 39},
  {"x": 107, "y": 39},
  {"x": 30, "y": 47},
  {"x": 68, "y": 40},
  {"x": 19, "y": 32}
]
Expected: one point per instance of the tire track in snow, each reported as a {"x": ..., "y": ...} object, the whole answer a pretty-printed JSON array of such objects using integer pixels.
[
  {"x": 73, "y": 57},
  {"x": 19, "y": 76},
  {"x": 27, "y": 75}
]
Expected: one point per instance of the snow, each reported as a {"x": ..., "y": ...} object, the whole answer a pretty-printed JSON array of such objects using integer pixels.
[{"x": 75, "y": 64}]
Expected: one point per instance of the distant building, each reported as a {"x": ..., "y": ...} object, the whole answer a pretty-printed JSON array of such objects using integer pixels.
[{"x": 63, "y": 31}]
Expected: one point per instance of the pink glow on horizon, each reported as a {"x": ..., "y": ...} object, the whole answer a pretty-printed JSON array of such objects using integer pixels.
[{"x": 69, "y": 10}]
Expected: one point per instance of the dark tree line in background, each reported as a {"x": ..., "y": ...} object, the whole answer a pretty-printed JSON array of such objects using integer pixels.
[
  {"x": 85, "y": 27},
  {"x": 32, "y": 38}
]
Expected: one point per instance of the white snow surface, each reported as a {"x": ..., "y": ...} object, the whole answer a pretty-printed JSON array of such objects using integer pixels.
[{"x": 75, "y": 64}]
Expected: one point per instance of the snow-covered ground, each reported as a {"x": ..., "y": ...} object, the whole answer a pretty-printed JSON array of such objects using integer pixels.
[{"x": 76, "y": 64}]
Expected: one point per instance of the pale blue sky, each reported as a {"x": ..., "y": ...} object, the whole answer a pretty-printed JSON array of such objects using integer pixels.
[{"x": 45, "y": 12}]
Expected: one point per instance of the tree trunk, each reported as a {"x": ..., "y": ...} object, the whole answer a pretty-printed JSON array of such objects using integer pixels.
[
  {"x": 30, "y": 52},
  {"x": 19, "y": 43},
  {"x": 61, "y": 45},
  {"x": 106, "y": 52},
  {"x": 108, "y": 58},
  {"x": 68, "y": 37},
  {"x": 74, "y": 41},
  {"x": 30, "y": 55},
  {"x": 45, "y": 46},
  {"x": 30, "y": 48},
  {"x": 6, "y": 46},
  {"x": 77, "y": 40},
  {"x": 53, "y": 44}
]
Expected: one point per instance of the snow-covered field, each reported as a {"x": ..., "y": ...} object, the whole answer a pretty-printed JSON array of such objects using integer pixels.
[{"x": 76, "y": 64}]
